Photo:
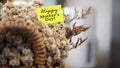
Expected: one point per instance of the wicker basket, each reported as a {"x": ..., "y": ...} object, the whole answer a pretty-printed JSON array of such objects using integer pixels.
[{"x": 31, "y": 33}]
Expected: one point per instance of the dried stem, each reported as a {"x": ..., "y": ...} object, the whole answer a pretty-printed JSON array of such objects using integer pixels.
[
  {"x": 67, "y": 20},
  {"x": 85, "y": 13},
  {"x": 76, "y": 17},
  {"x": 78, "y": 43},
  {"x": 75, "y": 30}
]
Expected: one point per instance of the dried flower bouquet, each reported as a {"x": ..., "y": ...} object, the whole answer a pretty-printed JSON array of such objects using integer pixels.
[{"x": 27, "y": 43}]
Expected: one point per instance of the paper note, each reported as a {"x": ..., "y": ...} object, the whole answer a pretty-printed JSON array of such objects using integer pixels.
[{"x": 50, "y": 14}]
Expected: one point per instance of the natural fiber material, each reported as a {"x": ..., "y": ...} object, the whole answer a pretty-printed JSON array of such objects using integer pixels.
[{"x": 30, "y": 32}]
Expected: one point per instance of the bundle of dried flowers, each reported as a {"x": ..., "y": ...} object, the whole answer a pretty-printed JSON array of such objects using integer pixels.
[{"x": 24, "y": 41}]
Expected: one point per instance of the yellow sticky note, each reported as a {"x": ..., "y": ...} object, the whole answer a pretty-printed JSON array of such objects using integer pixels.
[{"x": 50, "y": 14}]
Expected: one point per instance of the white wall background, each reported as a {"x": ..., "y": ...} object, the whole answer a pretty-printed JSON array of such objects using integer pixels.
[
  {"x": 103, "y": 29},
  {"x": 49, "y": 2}
]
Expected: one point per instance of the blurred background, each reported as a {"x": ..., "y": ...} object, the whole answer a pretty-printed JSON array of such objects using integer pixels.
[{"x": 102, "y": 49}]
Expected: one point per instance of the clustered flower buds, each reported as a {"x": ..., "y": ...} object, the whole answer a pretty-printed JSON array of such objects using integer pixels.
[{"x": 52, "y": 42}]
